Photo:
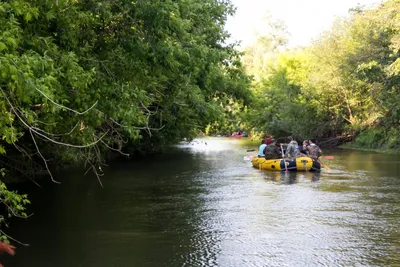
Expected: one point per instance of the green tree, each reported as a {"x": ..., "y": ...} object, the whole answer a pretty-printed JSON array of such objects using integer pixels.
[
  {"x": 81, "y": 78},
  {"x": 344, "y": 83}
]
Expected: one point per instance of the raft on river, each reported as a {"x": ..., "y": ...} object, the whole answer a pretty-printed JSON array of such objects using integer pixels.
[{"x": 301, "y": 164}]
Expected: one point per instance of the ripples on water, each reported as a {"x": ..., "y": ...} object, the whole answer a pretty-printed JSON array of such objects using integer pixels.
[
  {"x": 203, "y": 205},
  {"x": 332, "y": 218}
]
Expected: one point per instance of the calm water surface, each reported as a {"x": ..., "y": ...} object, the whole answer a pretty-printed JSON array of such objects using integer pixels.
[{"x": 203, "y": 205}]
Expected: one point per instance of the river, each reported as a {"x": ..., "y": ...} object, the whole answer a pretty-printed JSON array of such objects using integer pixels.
[{"x": 202, "y": 204}]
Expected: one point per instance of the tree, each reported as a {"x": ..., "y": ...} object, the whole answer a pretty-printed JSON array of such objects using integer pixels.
[{"x": 81, "y": 78}]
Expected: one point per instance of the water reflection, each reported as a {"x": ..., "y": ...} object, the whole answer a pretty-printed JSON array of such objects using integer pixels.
[
  {"x": 292, "y": 177},
  {"x": 202, "y": 205}
]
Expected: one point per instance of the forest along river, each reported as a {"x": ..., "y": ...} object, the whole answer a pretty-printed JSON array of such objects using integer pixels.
[{"x": 202, "y": 205}]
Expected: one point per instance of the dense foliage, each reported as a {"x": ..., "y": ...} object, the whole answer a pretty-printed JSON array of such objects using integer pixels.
[
  {"x": 80, "y": 78},
  {"x": 346, "y": 83}
]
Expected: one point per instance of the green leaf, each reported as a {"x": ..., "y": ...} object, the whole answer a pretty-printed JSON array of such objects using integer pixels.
[{"x": 2, "y": 46}]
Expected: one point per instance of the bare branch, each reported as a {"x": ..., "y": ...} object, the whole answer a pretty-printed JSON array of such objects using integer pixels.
[
  {"x": 63, "y": 134},
  {"x": 137, "y": 128},
  {"x": 27, "y": 176},
  {"x": 13, "y": 239},
  {"x": 44, "y": 160},
  {"x": 93, "y": 167},
  {"x": 13, "y": 213},
  {"x": 44, "y": 136},
  {"x": 148, "y": 111},
  {"x": 146, "y": 128},
  {"x": 117, "y": 150},
  {"x": 51, "y": 100},
  {"x": 98, "y": 176},
  {"x": 45, "y": 123}
]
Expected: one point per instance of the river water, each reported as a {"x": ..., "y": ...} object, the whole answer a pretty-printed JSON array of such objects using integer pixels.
[{"x": 203, "y": 205}]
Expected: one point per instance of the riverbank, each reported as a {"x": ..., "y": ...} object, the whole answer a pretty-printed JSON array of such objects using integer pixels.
[
  {"x": 378, "y": 150},
  {"x": 377, "y": 139}
]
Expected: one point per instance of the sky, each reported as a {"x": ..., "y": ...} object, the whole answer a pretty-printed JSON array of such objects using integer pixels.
[{"x": 304, "y": 19}]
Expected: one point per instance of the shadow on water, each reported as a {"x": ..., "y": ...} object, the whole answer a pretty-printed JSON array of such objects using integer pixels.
[{"x": 203, "y": 205}]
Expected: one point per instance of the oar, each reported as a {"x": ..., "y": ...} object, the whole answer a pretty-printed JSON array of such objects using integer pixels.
[
  {"x": 323, "y": 164},
  {"x": 283, "y": 157}
]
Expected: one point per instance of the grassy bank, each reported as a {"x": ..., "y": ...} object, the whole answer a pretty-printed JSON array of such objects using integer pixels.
[{"x": 380, "y": 140}]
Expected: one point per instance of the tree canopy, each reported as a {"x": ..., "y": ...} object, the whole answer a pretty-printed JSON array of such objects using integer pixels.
[
  {"x": 345, "y": 83},
  {"x": 81, "y": 78}
]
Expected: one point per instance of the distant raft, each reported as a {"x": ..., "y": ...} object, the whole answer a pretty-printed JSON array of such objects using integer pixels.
[{"x": 301, "y": 164}]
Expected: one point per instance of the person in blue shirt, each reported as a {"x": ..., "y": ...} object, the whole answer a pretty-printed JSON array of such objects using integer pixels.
[{"x": 261, "y": 149}]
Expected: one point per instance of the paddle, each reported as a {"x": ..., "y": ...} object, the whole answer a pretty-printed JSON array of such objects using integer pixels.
[
  {"x": 323, "y": 164},
  {"x": 283, "y": 157}
]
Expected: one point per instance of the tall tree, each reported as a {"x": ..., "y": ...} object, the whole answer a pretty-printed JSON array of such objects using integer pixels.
[{"x": 80, "y": 78}]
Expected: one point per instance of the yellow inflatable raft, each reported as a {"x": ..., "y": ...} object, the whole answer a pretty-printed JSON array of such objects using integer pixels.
[{"x": 300, "y": 164}]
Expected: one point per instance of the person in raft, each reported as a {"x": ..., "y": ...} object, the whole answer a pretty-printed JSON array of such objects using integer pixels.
[
  {"x": 272, "y": 151},
  {"x": 292, "y": 150},
  {"x": 303, "y": 148},
  {"x": 268, "y": 140},
  {"x": 261, "y": 149},
  {"x": 313, "y": 151}
]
